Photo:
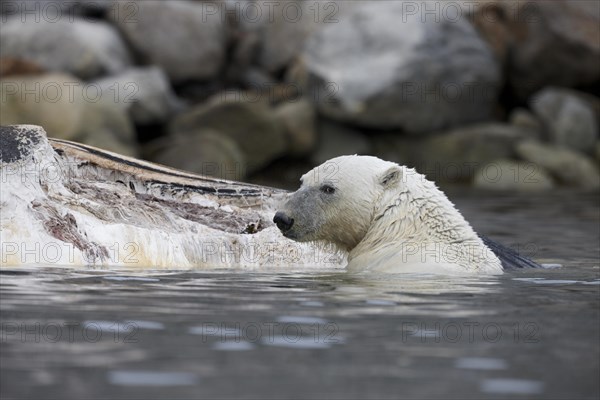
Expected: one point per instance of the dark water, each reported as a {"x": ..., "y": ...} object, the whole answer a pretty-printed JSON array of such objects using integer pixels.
[{"x": 89, "y": 334}]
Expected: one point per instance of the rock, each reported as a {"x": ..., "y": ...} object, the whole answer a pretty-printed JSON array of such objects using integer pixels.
[
  {"x": 593, "y": 101},
  {"x": 516, "y": 176},
  {"x": 251, "y": 125},
  {"x": 94, "y": 48},
  {"x": 106, "y": 125},
  {"x": 298, "y": 119},
  {"x": 206, "y": 152},
  {"x": 397, "y": 148},
  {"x": 454, "y": 155},
  {"x": 338, "y": 140},
  {"x": 145, "y": 93},
  {"x": 93, "y": 7},
  {"x": 54, "y": 10},
  {"x": 549, "y": 42},
  {"x": 381, "y": 67},
  {"x": 256, "y": 79},
  {"x": 14, "y": 66},
  {"x": 68, "y": 109},
  {"x": 270, "y": 35},
  {"x": 242, "y": 56},
  {"x": 524, "y": 119},
  {"x": 568, "y": 166},
  {"x": 283, "y": 33},
  {"x": 598, "y": 151},
  {"x": 569, "y": 120},
  {"x": 187, "y": 39},
  {"x": 54, "y": 101}
]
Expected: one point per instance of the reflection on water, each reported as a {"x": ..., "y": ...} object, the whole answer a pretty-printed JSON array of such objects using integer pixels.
[
  {"x": 481, "y": 363},
  {"x": 71, "y": 334},
  {"x": 83, "y": 334},
  {"x": 150, "y": 378},
  {"x": 234, "y": 345},
  {"x": 511, "y": 386}
]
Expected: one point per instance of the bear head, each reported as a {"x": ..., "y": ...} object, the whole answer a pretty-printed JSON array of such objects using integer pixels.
[{"x": 338, "y": 200}]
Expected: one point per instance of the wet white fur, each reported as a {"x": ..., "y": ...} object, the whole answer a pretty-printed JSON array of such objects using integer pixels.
[{"x": 390, "y": 218}]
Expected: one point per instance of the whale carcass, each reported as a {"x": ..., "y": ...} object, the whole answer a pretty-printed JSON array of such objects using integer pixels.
[{"x": 67, "y": 204}]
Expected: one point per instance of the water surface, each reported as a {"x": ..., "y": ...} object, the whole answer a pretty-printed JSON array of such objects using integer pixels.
[{"x": 88, "y": 334}]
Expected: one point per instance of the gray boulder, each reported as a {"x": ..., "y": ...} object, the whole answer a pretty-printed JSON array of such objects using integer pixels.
[
  {"x": 282, "y": 32},
  {"x": 524, "y": 119},
  {"x": 68, "y": 109},
  {"x": 568, "y": 119},
  {"x": 252, "y": 125},
  {"x": 54, "y": 101},
  {"x": 516, "y": 176},
  {"x": 144, "y": 93},
  {"x": 187, "y": 39},
  {"x": 205, "y": 152},
  {"x": 270, "y": 35},
  {"x": 543, "y": 43},
  {"x": 380, "y": 67},
  {"x": 299, "y": 121},
  {"x": 55, "y": 9},
  {"x": 568, "y": 166},
  {"x": 106, "y": 125},
  {"x": 454, "y": 155},
  {"x": 83, "y": 48},
  {"x": 338, "y": 140}
]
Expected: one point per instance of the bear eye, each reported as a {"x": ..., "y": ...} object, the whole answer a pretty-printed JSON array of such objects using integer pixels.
[{"x": 327, "y": 189}]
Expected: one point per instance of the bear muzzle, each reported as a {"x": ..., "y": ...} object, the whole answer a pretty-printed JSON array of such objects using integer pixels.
[{"x": 283, "y": 221}]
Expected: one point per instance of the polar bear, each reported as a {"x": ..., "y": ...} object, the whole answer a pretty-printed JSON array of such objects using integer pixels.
[{"x": 389, "y": 218}]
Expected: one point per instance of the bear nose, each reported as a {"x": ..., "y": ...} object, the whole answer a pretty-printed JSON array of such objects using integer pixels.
[{"x": 283, "y": 222}]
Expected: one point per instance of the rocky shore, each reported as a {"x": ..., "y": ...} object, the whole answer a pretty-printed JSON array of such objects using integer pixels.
[{"x": 498, "y": 94}]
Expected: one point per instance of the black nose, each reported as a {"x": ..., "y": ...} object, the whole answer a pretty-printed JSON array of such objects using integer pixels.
[{"x": 284, "y": 223}]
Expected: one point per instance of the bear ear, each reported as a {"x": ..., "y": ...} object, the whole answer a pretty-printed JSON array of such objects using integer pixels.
[{"x": 390, "y": 176}]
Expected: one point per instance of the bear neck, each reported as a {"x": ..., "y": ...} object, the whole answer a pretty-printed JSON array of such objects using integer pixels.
[{"x": 415, "y": 212}]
